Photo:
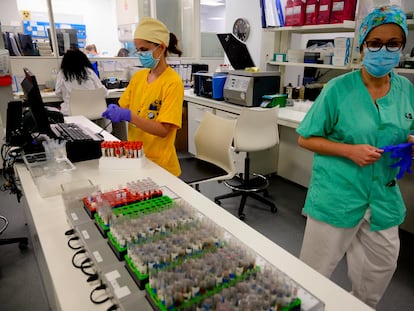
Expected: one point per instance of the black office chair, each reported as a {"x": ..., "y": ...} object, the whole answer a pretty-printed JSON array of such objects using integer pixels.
[
  {"x": 21, "y": 240},
  {"x": 256, "y": 130}
]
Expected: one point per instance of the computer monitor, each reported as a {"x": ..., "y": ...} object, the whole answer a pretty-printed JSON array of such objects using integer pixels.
[
  {"x": 66, "y": 39},
  {"x": 26, "y": 43},
  {"x": 35, "y": 104},
  {"x": 236, "y": 51}
]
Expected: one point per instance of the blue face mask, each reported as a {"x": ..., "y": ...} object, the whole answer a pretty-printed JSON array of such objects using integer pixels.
[
  {"x": 147, "y": 59},
  {"x": 380, "y": 63}
]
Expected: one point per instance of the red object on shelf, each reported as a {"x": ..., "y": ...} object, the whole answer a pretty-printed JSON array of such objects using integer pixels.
[
  {"x": 342, "y": 11},
  {"x": 289, "y": 13},
  {"x": 5, "y": 80},
  {"x": 311, "y": 12},
  {"x": 324, "y": 13},
  {"x": 298, "y": 16}
]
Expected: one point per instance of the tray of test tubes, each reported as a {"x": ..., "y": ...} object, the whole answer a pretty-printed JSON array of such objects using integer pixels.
[
  {"x": 137, "y": 229},
  {"x": 133, "y": 192},
  {"x": 193, "y": 241},
  {"x": 209, "y": 281},
  {"x": 105, "y": 213}
]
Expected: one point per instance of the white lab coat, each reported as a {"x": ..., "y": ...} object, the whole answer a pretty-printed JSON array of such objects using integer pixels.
[{"x": 63, "y": 87}]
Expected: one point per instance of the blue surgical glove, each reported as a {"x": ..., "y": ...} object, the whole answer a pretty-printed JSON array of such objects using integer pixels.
[
  {"x": 117, "y": 114},
  {"x": 404, "y": 153}
]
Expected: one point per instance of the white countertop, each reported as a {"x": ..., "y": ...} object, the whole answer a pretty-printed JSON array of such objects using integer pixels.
[
  {"x": 288, "y": 116},
  {"x": 72, "y": 290},
  {"x": 51, "y": 97}
]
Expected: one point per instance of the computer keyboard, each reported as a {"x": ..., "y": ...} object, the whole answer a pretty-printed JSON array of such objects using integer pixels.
[
  {"x": 73, "y": 132},
  {"x": 81, "y": 143}
]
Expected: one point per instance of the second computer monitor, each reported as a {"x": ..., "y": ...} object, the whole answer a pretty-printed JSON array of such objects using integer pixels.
[{"x": 66, "y": 39}]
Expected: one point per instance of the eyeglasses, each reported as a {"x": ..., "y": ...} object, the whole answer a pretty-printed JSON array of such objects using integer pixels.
[
  {"x": 392, "y": 46},
  {"x": 142, "y": 53}
]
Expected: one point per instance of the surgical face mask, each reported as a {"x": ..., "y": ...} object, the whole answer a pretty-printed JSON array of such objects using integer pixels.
[
  {"x": 380, "y": 63},
  {"x": 147, "y": 59}
]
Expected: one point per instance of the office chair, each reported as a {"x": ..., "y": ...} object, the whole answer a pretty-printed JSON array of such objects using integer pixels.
[
  {"x": 88, "y": 103},
  {"x": 21, "y": 240},
  {"x": 214, "y": 155},
  {"x": 256, "y": 130}
]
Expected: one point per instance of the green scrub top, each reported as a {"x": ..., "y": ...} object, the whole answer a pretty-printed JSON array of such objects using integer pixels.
[{"x": 341, "y": 191}]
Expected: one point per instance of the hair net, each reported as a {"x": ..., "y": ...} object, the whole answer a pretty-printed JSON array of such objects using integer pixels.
[
  {"x": 152, "y": 30},
  {"x": 382, "y": 15}
]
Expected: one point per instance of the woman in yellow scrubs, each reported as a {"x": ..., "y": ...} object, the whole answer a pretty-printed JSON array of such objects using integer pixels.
[
  {"x": 354, "y": 204},
  {"x": 152, "y": 102}
]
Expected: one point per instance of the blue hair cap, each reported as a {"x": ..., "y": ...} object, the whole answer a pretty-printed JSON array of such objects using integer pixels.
[{"x": 390, "y": 14}]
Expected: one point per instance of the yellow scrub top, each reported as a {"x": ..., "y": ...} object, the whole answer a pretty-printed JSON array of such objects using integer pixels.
[
  {"x": 341, "y": 191},
  {"x": 162, "y": 101}
]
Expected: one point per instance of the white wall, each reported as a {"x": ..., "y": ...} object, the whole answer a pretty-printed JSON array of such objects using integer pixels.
[
  {"x": 249, "y": 9},
  {"x": 99, "y": 17}
]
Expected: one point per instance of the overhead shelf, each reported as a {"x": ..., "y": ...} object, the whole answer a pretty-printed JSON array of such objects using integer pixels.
[
  {"x": 346, "y": 26},
  {"x": 309, "y": 65}
]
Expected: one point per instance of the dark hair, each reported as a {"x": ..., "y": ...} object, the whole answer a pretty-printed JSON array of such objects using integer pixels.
[
  {"x": 123, "y": 52},
  {"x": 74, "y": 64},
  {"x": 172, "y": 46}
]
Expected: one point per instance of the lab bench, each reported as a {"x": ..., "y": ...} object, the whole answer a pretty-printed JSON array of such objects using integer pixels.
[{"x": 67, "y": 287}]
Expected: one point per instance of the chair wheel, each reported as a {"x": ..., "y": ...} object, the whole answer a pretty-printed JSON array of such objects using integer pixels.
[
  {"x": 217, "y": 202},
  {"x": 273, "y": 209},
  {"x": 242, "y": 216}
]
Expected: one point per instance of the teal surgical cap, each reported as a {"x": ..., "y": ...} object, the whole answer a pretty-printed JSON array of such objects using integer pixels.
[{"x": 380, "y": 16}]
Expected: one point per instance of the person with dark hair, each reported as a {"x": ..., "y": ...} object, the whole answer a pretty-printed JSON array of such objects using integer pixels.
[
  {"x": 123, "y": 52},
  {"x": 153, "y": 101},
  {"x": 76, "y": 72},
  {"x": 354, "y": 205}
]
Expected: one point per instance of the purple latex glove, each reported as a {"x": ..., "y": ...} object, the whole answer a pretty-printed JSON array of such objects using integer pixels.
[{"x": 117, "y": 114}]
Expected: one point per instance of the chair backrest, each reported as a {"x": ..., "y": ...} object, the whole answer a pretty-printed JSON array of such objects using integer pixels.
[
  {"x": 213, "y": 141},
  {"x": 88, "y": 103},
  {"x": 256, "y": 129}
]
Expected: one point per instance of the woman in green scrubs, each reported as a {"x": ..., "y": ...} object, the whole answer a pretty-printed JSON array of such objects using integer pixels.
[{"x": 354, "y": 204}]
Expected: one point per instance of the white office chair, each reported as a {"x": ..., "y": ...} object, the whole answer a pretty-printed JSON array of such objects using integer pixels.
[
  {"x": 214, "y": 157},
  {"x": 88, "y": 103},
  {"x": 256, "y": 130}
]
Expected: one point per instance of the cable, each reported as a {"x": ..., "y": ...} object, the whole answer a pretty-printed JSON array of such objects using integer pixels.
[
  {"x": 83, "y": 266},
  {"x": 112, "y": 308},
  {"x": 100, "y": 287},
  {"x": 105, "y": 127},
  {"x": 70, "y": 232},
  {"x": 92, "y": 278},
  {"x": 6, "y": 224},
  {"x": 75, "y": 238},
  {"x": 74, "y": 256},
  {"x": 9, "y": 155}
]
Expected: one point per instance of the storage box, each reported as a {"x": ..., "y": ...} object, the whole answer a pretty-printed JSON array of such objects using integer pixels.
[
  {"x": 279, "y": 57},
  {"x": 342, "y": 42},
  {"x": 341, "y": 52},
  {"x": 49, "y": 174},
  {"x": 339, "y": 61},
  {"x": 295, "y": 56}
]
